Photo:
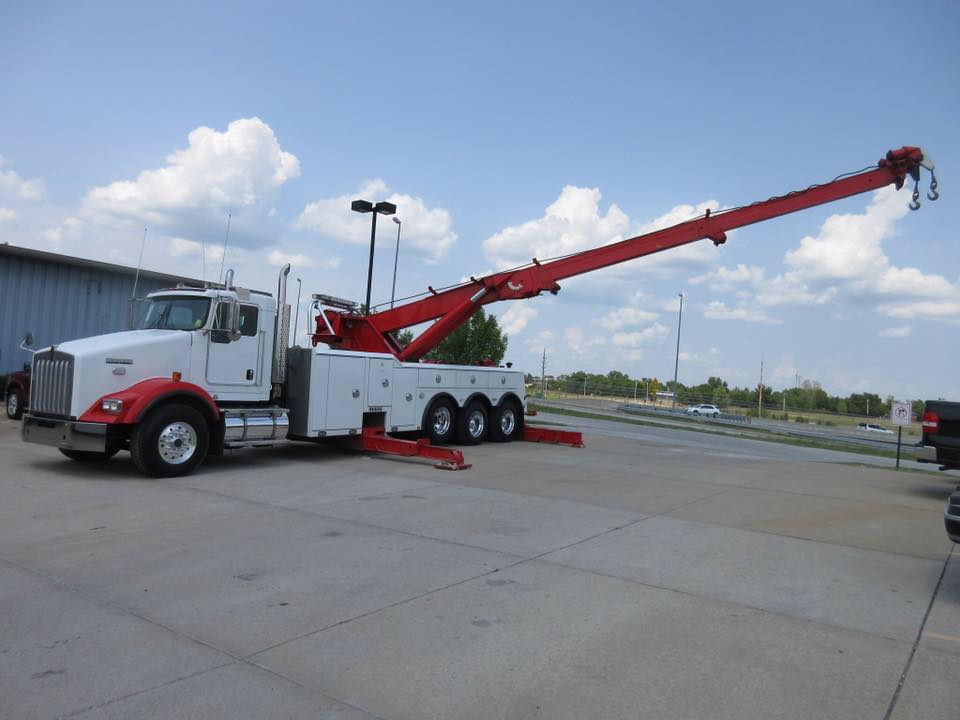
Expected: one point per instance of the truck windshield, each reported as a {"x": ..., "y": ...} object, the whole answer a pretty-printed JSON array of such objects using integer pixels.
[{"x": 175, "y": 313}]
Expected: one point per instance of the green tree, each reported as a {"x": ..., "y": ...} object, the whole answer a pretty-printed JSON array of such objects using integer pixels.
[
  {"x": 476, "y": 341},
  {"x": 403, "y": 337}
]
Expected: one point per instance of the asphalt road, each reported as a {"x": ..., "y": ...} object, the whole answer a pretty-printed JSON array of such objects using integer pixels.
[{"x": 648, "y": 575}]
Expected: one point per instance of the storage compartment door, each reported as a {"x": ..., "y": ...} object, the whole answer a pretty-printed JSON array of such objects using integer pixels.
[
  {"x": 380, "y": 382},
  {"x": 403, "y": 414},
  {"x": 345, "y": 393}
]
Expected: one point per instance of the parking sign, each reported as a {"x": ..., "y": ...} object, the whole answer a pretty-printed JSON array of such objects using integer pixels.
[{"x": 900, "y": 413}]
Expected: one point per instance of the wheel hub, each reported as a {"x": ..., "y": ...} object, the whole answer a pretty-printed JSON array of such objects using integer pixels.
[
  {"x": 12, "y": 403},
  {"x": 442, "y": 420},
  {"x": 177, "y": 443},
  {"x": 508, "y": 421},
  {"x": 476, "y": 424}
]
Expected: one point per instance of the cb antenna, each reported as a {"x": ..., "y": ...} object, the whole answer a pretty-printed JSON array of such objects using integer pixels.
[
  {"x": 225, "y": 241},
  {"x": 136, "y": 278}
]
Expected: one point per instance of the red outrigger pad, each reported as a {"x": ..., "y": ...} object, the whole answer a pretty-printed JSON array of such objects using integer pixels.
[
  {"x": 536, "y": 433},
  {"x": 377, "y": 440}
]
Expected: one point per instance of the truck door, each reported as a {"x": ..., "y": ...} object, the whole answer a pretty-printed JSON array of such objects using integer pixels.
[{"x": 235, "y": 365}]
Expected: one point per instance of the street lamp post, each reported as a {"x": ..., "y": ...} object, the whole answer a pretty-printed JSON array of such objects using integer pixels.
[
  {"x": 296, "y": 318},
  {"x": 396, "y": 255},
  {"x": 676, "y": 363},
  {"x": 381, "y": 208}
]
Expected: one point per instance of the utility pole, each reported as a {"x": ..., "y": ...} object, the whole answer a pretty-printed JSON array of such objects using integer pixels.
[
  {"x": 760, "y": 396},
  {"x": 543, "y": 374},
  {"x": 636, "y": 384},
  {"x": 676, "y": 363},
  {"x": 584, "y": 386}
]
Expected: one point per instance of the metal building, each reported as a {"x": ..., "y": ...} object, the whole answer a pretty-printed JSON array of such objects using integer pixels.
[{"x": 59, "y": 298}]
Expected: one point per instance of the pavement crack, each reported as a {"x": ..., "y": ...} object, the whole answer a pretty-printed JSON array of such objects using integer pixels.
[{"x": 916, "y": 643}]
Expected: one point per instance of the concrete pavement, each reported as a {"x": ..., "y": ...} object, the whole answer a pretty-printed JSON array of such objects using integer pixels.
[{"x": 639, "y": 577}]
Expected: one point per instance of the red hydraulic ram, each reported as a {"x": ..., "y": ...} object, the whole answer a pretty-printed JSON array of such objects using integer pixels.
[{"x": 454, "y": 306}]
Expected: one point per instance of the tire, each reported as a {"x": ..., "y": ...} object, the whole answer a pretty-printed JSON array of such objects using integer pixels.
[
  {"x": 472, "y": 423},
  {"x": 695, "y": 412},
  {"x": 506, "y": 422},
  {"x": 14, "y": 404},
  {"x": 171, "y": 441},
  {"x": 88, "y": 456},
  {"x": 440, "y": 421}
]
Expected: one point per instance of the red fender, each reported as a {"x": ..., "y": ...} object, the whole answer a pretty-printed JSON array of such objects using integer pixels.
[{"x": 138, "y": 398}]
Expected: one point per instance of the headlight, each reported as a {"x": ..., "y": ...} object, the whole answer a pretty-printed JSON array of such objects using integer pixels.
[{"x": 112, "y": 405}]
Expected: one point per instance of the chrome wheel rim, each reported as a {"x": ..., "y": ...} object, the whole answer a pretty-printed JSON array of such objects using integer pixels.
[
  {"x": 12, "y": 403},
  {"x": 508, "y": 421},
  {"x": 177, "y": 443},
  {"x": 442, "y": 420},
  {"x": 476, "y": 423}
]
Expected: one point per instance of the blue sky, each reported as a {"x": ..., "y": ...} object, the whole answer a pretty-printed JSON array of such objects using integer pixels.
[{"x": 507, "y": 129}]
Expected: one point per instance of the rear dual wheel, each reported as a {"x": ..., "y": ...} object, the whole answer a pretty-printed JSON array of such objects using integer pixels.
[{"x": 506, "y": 422}]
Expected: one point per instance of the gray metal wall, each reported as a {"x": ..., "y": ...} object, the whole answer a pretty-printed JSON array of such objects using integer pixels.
[{"x": 57, "y": 301}]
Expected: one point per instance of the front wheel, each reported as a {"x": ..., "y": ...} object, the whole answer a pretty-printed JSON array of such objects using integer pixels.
[
  {"x": 88, "y": 455},
  {"x": 14, "y": 404},
  {"x": 506, "y": 422},
  {"x": 171, "y": 441}
]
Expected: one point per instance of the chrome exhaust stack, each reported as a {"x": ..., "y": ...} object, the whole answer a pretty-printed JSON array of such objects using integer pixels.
[{"x": 281, "y": 335}]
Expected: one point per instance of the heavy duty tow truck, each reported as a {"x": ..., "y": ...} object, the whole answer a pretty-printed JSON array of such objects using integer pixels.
[{"x": 209, "y": 368}]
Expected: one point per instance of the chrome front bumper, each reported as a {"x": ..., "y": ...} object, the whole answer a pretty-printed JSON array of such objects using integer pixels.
[{"x": 66, "y": 434}]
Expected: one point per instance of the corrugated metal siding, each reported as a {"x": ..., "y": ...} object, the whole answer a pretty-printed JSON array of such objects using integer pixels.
[{"x": 57, "y": 301}]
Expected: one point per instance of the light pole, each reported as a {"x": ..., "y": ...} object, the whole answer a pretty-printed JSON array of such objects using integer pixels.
[
  {"x": 396, "y": 254},
  {"x": 296, "y": 318},
  {"x": 381, "y": 208},
  {"x": 676, "y": 363}
]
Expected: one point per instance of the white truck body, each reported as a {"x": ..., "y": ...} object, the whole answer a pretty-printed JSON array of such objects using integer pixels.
[{"x": 90, "y": 396}]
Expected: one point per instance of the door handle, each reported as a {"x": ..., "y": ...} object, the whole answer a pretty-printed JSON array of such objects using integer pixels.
[{"x": 250, "y": 374}]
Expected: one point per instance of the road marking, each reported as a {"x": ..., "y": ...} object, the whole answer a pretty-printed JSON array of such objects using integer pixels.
[{"x": 938, "y": 636}]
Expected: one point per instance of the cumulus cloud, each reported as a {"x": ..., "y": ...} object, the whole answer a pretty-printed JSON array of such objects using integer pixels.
[
  {"x": 237, "y": 171},
  {"x": 846, "y": 259},
  {"x": 627, "y": 317},
  {"x": 278, "y": 258},
  {"x": 718, "y": 310},
  {"x": 7, "y": 215},
  {"x": 573, "y": 222},
  {"x": 896, "y": 332},
  {"x": 640, "y": 338},
  {"x": 517, "y": 317},
  {"x": 578, "y": 343},
  {"x": 724, "y": 279},
  {"x": 14, "y": 187},
  {"x": 425, "y": 231}
]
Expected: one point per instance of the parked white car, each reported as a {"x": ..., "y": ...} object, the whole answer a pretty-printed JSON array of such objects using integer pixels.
[
  {"x": 873, "y": 427},
  {"x": 703, "y": 410}
]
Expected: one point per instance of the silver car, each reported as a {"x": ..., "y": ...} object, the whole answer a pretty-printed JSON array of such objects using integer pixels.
[{"x": 703, "y": 410}]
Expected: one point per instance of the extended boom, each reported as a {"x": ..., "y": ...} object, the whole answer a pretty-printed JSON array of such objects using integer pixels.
[{"x": 452, "y": 307}]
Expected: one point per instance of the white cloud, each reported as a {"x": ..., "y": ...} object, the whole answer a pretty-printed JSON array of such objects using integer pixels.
[
  {"x": 425, "y": 231},
  {"x": 237, "y": 171},
  {"x": 181, "y": 246},
  {"x": 718, "y": 310},
  {"x": 896, "y": 332},
  {"x": 7, "y": 215},
  {"x": 572, "y": 223},
  {"x": 724, "y": 278},
  {"x": 15, "y": 187},
  {"x": 627, "y": 317},
  {"x": 517, "y": 317},
  {"x": 68, "y": 229},
  {"x": 846, "y": 260},
  {"x": 578, "y": 343},
  {"x": 632, "y": 340},
  {"x": 298, "y": 261}
]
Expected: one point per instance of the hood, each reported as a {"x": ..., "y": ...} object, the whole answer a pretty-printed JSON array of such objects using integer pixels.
[{"x": 110, "y": 363}]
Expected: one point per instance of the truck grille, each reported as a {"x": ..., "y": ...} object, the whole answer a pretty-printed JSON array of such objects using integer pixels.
[{"x": 52, "y": 384}]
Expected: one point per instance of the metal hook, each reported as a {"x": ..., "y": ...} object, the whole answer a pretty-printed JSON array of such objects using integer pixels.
[
  {"x": 933, "y": 194},
  {"x": 915, "y": 203}
]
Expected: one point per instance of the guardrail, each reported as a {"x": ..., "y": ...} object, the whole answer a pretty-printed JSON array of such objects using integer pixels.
[{"x": 637, "y": 409}]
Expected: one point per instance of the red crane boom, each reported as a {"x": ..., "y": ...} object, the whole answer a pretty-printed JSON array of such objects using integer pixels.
[{"x": 348, "y": 330}]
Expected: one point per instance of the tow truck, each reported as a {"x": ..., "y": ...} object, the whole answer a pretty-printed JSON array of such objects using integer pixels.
[{"x": 210, "y": 368}]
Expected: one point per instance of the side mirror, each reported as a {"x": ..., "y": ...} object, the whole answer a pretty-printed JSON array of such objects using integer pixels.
[
  {"x": 226, "y": 327},
  {"x": 233, "y": 321},
  {"x": 27, "y": 342}
]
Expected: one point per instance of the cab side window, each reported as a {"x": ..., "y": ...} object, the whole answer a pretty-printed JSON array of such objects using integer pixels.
[{"x": 248, "y": 320}]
